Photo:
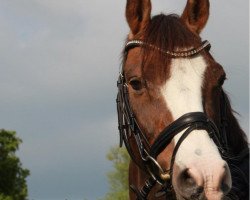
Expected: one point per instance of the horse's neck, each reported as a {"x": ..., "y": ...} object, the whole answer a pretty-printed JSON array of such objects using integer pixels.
[{"x": 237, "y": 139}]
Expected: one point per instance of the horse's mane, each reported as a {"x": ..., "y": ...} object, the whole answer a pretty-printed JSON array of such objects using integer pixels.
[{"x": 237, "y": 138}]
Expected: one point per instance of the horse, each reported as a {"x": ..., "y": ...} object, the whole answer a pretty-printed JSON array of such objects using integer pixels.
[{"x": 174, "y": 117}]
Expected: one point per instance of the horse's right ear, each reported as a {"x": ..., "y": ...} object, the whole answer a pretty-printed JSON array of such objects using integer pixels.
[{"x": 138, "y": 14}]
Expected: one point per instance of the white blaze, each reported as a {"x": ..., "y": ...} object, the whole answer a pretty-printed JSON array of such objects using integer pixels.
[
  {"x": 182, "y": 91},
  {"x": 183, "y": 94}
]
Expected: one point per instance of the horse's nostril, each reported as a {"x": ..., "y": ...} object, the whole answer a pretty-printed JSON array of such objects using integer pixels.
[
  {"x": 197, "y": 192},
  {"x": 186, "y": 180},
  {"x": 194, "y": 183},
  {"x": 225, "y": 188},
  {"x": 188, "y": 185},
  {"x": 225, "y": 180},
  {"x": 199, "y": 189}
]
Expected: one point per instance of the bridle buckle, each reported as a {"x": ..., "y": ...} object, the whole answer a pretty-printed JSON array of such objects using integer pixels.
[{"x": 156, "y": 171}]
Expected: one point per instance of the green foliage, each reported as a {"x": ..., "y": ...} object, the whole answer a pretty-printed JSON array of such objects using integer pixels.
[
  {"x": 3, "y": 197},
  {"x": 12, "y": 176},
  {"x": 118, "y": 177}
]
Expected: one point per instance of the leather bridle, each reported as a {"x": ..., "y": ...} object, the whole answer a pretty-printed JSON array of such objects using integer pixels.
[{"x": 130, "y": 130}]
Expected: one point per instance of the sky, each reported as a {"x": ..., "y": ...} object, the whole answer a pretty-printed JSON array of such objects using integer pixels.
[{"x": 59, "y": 61}]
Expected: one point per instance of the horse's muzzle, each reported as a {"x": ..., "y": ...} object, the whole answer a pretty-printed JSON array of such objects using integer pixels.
[{"x": 201, "y": 182}]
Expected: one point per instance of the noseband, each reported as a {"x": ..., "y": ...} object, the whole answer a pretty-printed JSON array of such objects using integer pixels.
[{"x": 130, "y": 130}]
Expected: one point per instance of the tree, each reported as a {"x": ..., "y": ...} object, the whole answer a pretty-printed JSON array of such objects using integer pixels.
[
  {"x": 118, "y": 177},
  {"x": 12, "y": 176}
]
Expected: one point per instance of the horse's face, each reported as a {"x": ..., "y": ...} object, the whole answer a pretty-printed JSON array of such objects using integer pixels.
[{"x": 161, "y": 89}]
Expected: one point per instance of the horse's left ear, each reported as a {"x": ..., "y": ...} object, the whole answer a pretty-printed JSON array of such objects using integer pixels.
[{"x": 195, "y": 15}]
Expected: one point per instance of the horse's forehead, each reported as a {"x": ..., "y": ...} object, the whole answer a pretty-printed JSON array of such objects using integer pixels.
[{"x": 159, "y": 70}]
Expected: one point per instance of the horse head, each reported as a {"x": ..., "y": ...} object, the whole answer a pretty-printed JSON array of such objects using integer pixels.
[{"x": 169, "y": 89}]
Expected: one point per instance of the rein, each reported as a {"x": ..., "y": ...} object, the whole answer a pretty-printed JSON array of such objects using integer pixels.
[{"x": 129, "y": 129}]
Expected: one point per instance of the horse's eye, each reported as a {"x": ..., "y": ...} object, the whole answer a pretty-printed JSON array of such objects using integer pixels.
[{"x": 136, "y": 84}]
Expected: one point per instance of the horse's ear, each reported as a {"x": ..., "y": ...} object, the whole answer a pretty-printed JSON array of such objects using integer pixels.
[
  {"x": 138, "y": 14},
  {"x": 195, "y": 14}
]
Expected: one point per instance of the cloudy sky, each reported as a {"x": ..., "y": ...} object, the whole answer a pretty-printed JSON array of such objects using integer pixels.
[{"x": 59, "y": 61}]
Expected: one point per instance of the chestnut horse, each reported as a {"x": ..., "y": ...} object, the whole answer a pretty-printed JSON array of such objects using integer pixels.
[{"x": 174, "y": 117}]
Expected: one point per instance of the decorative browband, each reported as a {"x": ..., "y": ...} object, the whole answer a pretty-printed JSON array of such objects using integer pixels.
[{"x": 180, "y": 54}]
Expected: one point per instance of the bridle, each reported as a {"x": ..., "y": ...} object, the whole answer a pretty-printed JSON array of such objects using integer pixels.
[{"x": 130, "y": 130}]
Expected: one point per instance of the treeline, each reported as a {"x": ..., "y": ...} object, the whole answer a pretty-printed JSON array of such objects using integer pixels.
[
  {"x": 13, "y": 185},
  {"x": 118, "y": 177},
  {"x": 13, "y": 176}
]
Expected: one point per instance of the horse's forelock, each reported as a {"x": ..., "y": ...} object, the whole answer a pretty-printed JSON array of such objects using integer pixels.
[{"x": 166, "y": 32}]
